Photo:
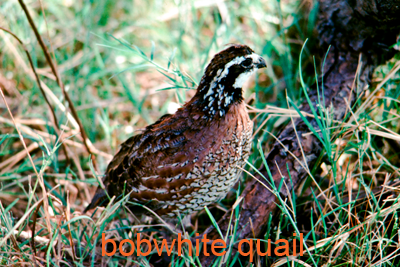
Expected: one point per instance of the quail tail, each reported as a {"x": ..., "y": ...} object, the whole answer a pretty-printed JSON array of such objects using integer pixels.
[{"x": 99, "y": 198}]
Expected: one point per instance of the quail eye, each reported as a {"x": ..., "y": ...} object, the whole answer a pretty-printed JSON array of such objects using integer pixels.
[{"x": 247, "y": 63}]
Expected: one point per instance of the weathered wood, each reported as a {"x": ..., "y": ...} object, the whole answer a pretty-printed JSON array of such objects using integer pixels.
[{"x": 360, "y": 34}]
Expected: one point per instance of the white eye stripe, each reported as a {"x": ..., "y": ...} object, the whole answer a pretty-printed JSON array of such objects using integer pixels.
[
  {"x": 256, "y": 58},
  {"x": 236, "y": 61}
]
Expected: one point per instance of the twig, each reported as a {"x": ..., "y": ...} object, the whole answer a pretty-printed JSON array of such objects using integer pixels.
[
  {"x": 39, "y": 177},
  {"x": 55, "y": 121},
  {"x": 58, "y": 79},
  {"x": 34, "y": 219},
  {"x": 16, "y": 158}
]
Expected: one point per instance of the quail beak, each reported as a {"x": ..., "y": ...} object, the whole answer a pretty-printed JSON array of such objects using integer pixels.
[{"x": 261, "y": 63}]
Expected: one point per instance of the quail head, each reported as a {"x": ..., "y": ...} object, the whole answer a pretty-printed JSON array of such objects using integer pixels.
[{"x": 190, "y": 159}]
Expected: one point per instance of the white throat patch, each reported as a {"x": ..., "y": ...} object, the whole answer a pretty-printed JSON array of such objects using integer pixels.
[
  {"x": 242, "y": 78},
  {"x": 256, "y": 58}
]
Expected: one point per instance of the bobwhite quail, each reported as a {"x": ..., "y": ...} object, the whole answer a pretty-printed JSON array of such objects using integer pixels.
[{"x": 190, "y": 159}]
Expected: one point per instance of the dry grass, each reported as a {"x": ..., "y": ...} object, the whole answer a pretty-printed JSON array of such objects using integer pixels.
[{"x": 114, "y": 61}]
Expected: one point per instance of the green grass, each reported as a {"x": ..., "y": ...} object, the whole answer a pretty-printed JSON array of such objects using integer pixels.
[{"x": 125, "y": 64}]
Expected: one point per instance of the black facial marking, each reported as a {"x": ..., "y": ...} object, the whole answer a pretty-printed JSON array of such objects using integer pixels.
[
  {"x": 247, "y": 63},
  {"x": 216, "y": 91}
]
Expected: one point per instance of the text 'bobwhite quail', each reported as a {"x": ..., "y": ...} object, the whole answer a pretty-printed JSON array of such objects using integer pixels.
[{"x": 190, "y": 159}]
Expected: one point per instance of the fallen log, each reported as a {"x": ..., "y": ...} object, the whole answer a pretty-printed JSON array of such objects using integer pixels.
[{"x": 359, "y": 35}]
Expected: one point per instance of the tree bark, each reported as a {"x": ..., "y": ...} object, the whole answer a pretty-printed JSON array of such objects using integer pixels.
[{"x": 360, "y": 34}]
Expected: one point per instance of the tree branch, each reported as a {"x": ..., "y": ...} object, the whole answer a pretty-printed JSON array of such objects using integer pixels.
[{"x": 360, "y": 34}]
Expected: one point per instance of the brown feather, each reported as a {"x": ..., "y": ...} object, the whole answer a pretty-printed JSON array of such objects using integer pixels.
[{"x": 192, "y": 158}]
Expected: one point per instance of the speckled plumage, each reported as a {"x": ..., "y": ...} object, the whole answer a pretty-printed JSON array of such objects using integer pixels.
[{"x": 189, "y": 159}]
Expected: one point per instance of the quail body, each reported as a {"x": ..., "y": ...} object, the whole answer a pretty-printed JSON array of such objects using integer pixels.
[{"x": 190, "y": 159}]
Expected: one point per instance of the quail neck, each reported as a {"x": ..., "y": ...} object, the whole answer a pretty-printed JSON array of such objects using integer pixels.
[{"x": 221, "y": 85}]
